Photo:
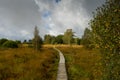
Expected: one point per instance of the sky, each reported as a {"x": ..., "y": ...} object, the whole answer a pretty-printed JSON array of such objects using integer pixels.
[{"x": 18, "y": 18}]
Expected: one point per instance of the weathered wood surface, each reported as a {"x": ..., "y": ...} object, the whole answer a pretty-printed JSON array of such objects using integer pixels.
[{"x": 62, "y": 74}]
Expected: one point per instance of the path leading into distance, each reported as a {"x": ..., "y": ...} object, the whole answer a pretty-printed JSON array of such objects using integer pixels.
[{"x": 62, "y": 74}]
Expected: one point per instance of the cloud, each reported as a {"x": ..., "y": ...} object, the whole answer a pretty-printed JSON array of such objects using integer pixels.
[
  {"x": 16, "y": 16},
  {"x": 19, "y": 17},
  {"x": 64, "y": 15}
]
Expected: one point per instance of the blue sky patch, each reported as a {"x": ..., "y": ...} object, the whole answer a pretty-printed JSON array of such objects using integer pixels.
[
  {"x": 46, "y": 14},
  {"x": 57, "y": 1}
]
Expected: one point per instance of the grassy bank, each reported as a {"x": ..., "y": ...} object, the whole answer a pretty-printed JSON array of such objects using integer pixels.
[
  {"x": 82, "y": 64},
  {"x": 26, "y": 64}
]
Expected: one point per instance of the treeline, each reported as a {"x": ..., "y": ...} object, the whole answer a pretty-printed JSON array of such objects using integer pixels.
[
  {"x": 104, "y": 34},
  {"x": 67, "y": 38},
  {"x": 5, "y": 43}
]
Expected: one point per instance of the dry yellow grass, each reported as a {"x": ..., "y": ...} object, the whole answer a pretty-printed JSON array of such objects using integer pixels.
[
  {"x": 61, "y": 45},
  {"x": 27, "y": 64}
]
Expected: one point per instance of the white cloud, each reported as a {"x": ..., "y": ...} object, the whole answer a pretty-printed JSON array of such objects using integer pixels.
[
  {"x": 65, "y": 14},
  {"x": 24, "y": 32},
  {"x": 19, "y": 17}
]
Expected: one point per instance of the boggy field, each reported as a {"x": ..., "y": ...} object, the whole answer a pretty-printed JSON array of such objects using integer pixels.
[
  {"x": 27, "y": 64},
  {"x": 82, "y": 64}
]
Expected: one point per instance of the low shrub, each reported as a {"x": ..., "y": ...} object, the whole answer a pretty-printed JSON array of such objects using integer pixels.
[
  {"x": 10, "y": 44},
  {"x": 2, "y": 41}
]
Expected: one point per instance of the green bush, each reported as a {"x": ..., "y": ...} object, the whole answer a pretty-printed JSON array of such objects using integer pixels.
[
  {"x": 87, "y": 39},
  {"x": 2, "y": 41},
  {"x": 106, "y": 30},
  {"x": 10, "y": 44}
]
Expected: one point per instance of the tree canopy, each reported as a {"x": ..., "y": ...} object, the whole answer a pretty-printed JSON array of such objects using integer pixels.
[
  {"x": 68, "y": 36},
  {"x": 105, "y": 29}
]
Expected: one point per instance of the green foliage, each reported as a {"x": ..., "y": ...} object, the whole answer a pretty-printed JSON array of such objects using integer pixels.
[
  {"x": 106, "y": 30},
  {"x": 68, "y": 36},
  {"x": 87, "y": 39},
  {"x": 10, "y": 44},
  {"x": 47, "y": 39},
  {"x": 18, "y": 42},
  {"x": 29, "y": 41},
  {"x": 2, "y": 41},
  {"x": 59, "y": 39},
  {"x": 77, "y": 41},
  {"x": 25, "y": 41},
  {"x": 53, "y": 40}
]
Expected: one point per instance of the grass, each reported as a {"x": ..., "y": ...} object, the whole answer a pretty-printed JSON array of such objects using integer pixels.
[
  {"x": 82, "y": 64},
  {"x": 26, "y": 64}
]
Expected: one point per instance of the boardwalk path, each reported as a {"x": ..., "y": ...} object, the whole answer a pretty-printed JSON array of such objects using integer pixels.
[{"x": 62, "y": 74}]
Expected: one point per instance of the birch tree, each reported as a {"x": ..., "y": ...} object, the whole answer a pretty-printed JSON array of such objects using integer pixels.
[{"x": 37, "y": 41}]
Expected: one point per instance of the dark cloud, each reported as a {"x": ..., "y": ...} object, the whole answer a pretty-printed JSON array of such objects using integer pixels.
[
  {"x": 57, "y": 1},
  {"x": 91, "y": 5}
]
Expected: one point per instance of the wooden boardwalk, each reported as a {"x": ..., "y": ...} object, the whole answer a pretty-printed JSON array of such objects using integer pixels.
[{"x": 62, "y": 74}]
